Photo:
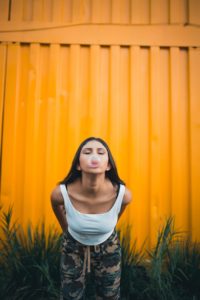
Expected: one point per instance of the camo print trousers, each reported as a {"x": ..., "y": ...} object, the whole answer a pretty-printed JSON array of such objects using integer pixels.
[{"x": 104, "y": 261}]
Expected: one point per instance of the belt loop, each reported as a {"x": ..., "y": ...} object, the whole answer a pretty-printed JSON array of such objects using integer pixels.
[{"x": 97, "y": 248}]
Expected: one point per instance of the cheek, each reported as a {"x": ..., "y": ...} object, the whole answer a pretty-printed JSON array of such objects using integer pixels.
[
  {"x": 105, "y": 160},
  {"x": 82, "y": 160}
]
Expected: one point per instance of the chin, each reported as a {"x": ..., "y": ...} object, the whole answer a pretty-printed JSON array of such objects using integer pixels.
[{"x": 94, "y": 171}]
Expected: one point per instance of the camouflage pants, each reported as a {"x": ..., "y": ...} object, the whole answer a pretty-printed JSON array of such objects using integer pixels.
[{"x": 103, "y": 259}]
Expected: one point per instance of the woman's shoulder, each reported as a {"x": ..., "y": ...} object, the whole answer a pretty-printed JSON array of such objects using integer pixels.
[
  {"x": 56, "y": 195},
  {"x": 127, "y": 196}
]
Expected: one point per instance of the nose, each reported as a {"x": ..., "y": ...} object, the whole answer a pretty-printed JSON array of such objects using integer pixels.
[{"x": 95, "y": 158}]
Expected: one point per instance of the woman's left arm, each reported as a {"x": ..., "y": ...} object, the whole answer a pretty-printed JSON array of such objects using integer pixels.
[{"x": 126, "y": 200}]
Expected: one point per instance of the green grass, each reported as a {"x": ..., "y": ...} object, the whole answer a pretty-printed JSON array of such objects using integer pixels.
[
  {"x": 170, "y": 271},
  {"x": 29, "y": 265},
  {"x": 29, "y": 261}
]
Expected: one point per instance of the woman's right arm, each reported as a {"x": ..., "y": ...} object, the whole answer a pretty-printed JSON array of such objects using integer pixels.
[{"x": 57, "y": 204}]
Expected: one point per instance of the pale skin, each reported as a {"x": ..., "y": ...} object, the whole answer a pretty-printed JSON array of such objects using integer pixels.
[{"x": 93, "y": 193}]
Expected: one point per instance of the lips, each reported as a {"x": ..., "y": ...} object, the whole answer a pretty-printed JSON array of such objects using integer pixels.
[{"x": 94, "y": 164}]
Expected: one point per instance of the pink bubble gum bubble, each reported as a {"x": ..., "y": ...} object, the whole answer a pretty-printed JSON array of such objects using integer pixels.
[{"x": 94, "y": 160}]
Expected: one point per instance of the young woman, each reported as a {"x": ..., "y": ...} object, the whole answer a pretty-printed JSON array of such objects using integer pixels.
[{"x": 87, "y": 204}]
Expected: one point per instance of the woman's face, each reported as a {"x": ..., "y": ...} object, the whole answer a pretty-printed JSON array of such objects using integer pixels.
[{"x": 94, "y": 158}]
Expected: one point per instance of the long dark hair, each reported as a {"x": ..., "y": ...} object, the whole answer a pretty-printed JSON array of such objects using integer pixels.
[{"x": 73, "y": 174}]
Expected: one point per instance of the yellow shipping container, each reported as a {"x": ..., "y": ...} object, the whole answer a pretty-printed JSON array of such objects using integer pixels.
[{"x": 124, "y": 70}]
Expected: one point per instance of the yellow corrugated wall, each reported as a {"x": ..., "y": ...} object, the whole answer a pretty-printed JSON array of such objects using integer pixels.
[{"x": 143, "y": 98}]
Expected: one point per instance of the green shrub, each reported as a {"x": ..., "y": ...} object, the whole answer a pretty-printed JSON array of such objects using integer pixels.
[
  {"x": 30, "y": 259},
  {"x": 134, "y": 276},
  {"x": 170, "y": 271},
  {"x": 183, "y": 265}
]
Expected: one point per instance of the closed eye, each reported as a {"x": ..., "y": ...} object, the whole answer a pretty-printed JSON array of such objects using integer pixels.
[{"x": 90, "y": 150}]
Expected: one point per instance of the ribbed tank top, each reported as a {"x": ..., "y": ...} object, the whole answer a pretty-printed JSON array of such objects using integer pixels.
[{"x": 91, "y": 229}]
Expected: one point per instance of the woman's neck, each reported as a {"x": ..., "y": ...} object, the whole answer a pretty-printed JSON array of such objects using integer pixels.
[{"x": 92, "y": 183}]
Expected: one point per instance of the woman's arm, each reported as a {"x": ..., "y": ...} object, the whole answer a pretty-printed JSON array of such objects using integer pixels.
[
  {"x": 126, "y": 200},
  {"x": 57, "y": 204}
]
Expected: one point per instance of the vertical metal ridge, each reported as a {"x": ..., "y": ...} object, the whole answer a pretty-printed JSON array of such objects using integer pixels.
[
  {"x": 189, "y": 148},
  {"x": 3, "y": 111}
]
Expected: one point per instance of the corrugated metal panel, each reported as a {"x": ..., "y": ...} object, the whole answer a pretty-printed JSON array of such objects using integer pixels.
[
  {"x": 194, "y": 117},
  {"x": 106, "y": 11},
  {"x": 144, "y": 101}
]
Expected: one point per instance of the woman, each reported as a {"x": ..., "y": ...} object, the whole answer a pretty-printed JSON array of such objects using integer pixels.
[{"x": 87, "y": 204}]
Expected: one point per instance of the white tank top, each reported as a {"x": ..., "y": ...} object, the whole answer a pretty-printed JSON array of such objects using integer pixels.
[{"x": 91, "y": 229}]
